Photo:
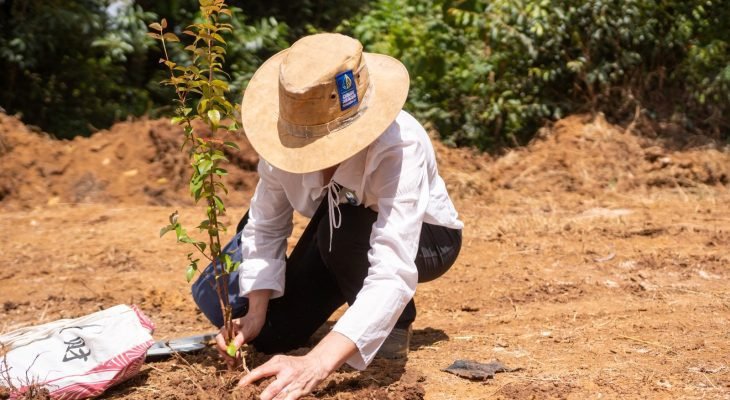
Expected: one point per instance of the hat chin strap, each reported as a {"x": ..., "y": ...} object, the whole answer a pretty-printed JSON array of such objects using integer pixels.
[{"x": 312, "y": 131}]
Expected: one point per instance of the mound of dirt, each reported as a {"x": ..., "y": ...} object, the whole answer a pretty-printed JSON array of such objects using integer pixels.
[
  {"x": 136, "y": 162},
  {"x": 140, "y": 162},
  {"x": 586, "y": 155}
]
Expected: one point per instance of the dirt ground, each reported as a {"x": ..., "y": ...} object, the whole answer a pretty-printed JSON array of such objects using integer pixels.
[{"x": 595, "y": 260}]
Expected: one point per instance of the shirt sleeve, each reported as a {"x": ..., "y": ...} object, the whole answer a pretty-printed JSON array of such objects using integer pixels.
[
  {"x": 263, "y": 240},
  {"x": 398, "y": 179}
]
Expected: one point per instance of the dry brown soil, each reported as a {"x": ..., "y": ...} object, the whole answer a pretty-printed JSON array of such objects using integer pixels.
[{"x": 595, "y": 260}]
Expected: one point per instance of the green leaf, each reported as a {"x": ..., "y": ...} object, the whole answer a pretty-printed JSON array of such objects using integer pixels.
[
  {"x": 182, "y": 235},
  {"x": 218, "y": 38},
  {"x": 231, "y": 349},
  {"x": 222, "y": 186},
  {"x": 220, "y": 83},
  {"x": 166, "y": 229},
  {"x": 235, "y": 266},
  {"x": 204, "y": 166},
  {"x": 218, "y": 155},
  {"x": 219, "y": 203},
  {"x": 202, "y": 105},
  {"x": 195, "y": 185},
  {"x": 187, "y": 239},
  {"x": 227, "y": 261},
  {"x": 214, "y": 116},
  {"x": 190, "y": 273},
  {"x": 232, "y": 145},
  {"x": 221, "y": 172}
]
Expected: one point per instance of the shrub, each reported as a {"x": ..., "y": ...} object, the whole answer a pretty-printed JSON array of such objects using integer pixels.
[
  {"x": 70, "y": 68},
  {"x": 488, "y": 73}
]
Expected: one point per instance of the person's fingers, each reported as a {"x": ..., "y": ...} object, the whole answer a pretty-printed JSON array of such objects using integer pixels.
[
  {"x": 223, "y": 350},
  {"x": 275, "y": 389},
  {"x": 302, "y": 387},
  {"x": 271, "y": 367},
  {"x": 295, "y": 394},
  {"x": 309, "y": 386},
  {"x": 220, "y": 341},
  {"x": 239, "y": 340},
  {"x": 221, "y": 345}
]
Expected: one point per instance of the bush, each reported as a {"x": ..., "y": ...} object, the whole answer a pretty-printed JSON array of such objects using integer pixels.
[
  {"x": 70, "y": 68},
  {"x": 488, "y": 73},
  {"x": 485, "y": 73}
]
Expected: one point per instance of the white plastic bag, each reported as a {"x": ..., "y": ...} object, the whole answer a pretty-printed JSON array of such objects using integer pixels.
[{"x": 82, "y": 357}]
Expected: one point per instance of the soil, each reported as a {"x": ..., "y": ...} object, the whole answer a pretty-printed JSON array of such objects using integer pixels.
[
  {"x": 595, "y": 261},
  {"x": 132, "y": 163}
]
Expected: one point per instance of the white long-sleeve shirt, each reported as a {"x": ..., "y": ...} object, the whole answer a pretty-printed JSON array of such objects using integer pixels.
[{"x": 397, "y": 177}]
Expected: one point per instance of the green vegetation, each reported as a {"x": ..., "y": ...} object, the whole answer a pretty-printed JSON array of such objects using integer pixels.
[
  {"x": 69, "y": 67},
  {"x": 484, "y": 73},
  {"x": 489, "y": 73}
]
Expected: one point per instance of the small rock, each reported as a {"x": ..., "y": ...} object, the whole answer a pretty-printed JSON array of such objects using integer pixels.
[
  {"x": 706, "y": 275},
  {"x": 628, "y": 264},
  {"x": 476, "y": 370},
  {"x": 664, "y": 384},
  {"x": 611, "y": 284}
]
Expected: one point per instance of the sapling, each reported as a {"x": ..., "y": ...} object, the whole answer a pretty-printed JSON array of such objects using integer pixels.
[{"x": 200, "y": 89}]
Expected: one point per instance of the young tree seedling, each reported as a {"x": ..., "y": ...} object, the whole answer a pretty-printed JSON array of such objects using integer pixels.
[{"x": 200, "y": 89}]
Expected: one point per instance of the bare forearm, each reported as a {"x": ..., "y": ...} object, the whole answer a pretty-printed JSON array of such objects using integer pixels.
[
  {"x": 333, "y": 350},
  {"x": 258, "y": 301}
]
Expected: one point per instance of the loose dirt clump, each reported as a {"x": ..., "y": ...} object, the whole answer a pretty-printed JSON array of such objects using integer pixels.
[{"x": 32, "y": 392}]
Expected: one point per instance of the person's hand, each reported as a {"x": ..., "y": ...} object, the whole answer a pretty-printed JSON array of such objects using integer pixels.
[
  {"x": 245, "y": 329},
  {"x": 298, "y": 376},
  {"x": 295, "y": 376}
]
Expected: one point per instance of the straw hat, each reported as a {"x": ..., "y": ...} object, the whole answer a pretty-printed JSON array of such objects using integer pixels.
[{"x": 321, "y": 101}]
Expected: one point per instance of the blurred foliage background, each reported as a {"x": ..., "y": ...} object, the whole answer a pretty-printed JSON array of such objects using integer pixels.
[{"x": 483, "y": 73}]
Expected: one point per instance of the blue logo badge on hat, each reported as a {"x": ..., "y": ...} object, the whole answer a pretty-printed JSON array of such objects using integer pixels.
[{"x": 346, "y": 89}]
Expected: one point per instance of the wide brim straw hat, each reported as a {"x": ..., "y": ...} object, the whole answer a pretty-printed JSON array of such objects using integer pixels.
[{"x": 321, "y": 101}]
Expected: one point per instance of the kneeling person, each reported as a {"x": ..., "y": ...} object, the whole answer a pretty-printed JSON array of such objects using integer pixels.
[{"x": 335, "y": 146}]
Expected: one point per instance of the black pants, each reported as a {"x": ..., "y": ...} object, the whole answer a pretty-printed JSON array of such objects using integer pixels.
[{"x": 319, "y": 281}]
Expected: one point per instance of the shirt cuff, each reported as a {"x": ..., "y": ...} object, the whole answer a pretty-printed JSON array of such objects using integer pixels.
[
  {"x": 261, "y": 273},
  {"x": 369, "y": 333}
]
